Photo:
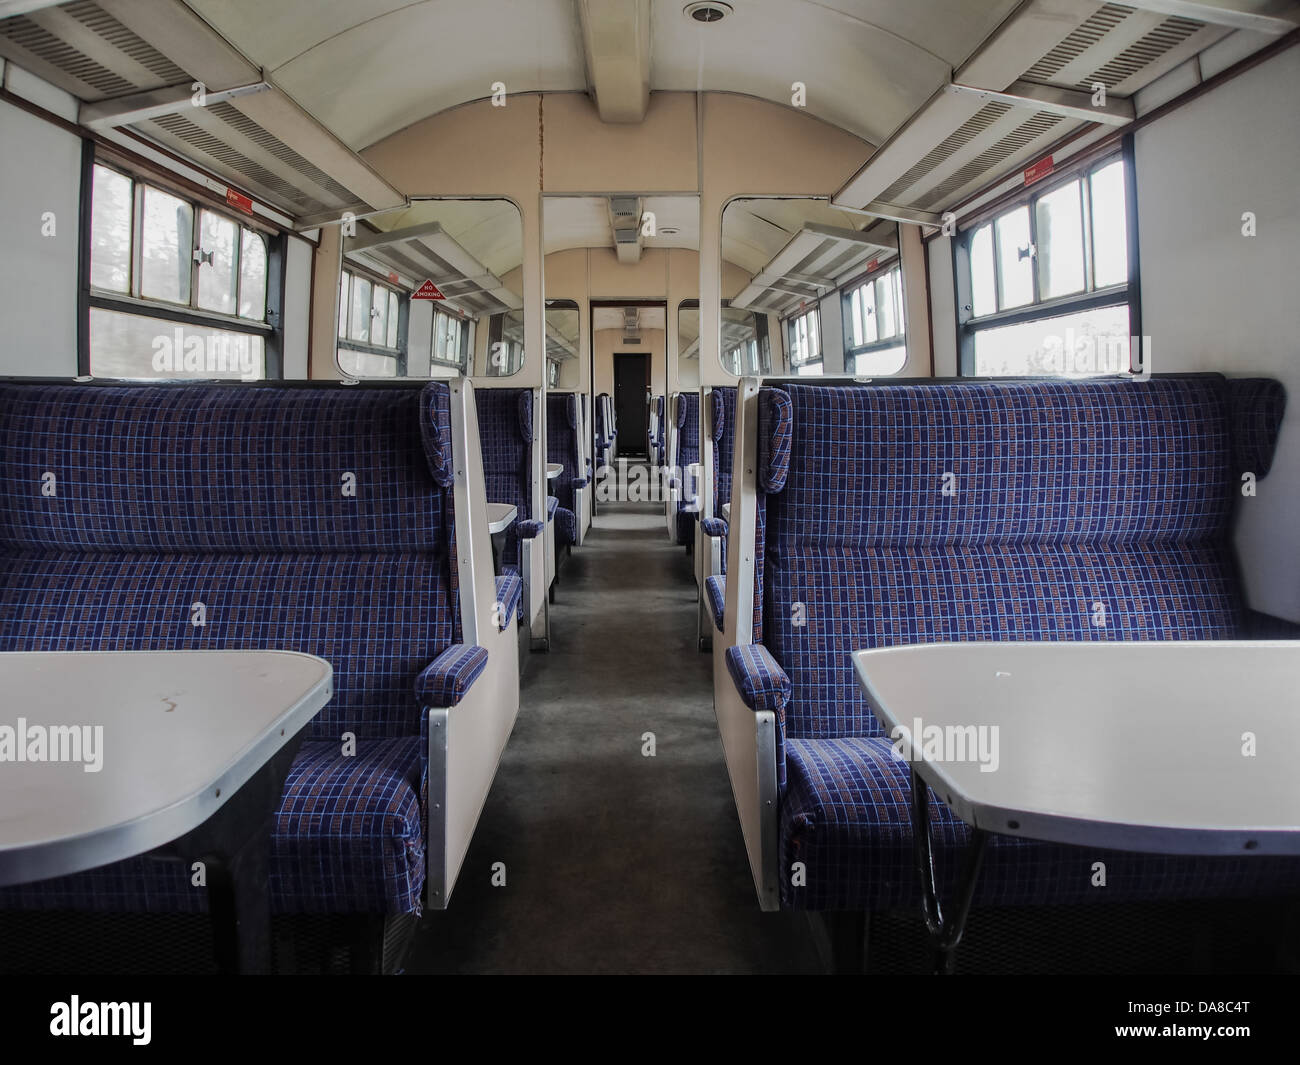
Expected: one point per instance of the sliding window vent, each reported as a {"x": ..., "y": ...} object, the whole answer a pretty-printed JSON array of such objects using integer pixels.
[{"x": 132, "y": 64}]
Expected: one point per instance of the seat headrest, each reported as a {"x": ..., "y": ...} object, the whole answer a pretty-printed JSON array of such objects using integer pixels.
[
  {"x": 718, "y": 412},
  {"x": 1255, "y": 409}
]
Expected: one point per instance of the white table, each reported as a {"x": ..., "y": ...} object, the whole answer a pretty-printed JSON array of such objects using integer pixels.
[
  {"x": 500, "y": 515},
  {"x": 553, "y": 470},
  {"x": 192, "y": 748},
  {"x": 1131, "y": 746}
]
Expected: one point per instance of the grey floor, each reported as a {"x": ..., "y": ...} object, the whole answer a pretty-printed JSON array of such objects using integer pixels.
[{"x": 614, "y": 862}]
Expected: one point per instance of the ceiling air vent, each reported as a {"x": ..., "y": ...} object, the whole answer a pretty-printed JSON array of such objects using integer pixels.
[{"x": 709, "y": 11}]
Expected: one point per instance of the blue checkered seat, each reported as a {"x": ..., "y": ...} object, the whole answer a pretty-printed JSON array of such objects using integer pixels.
[
  {"x": 562, "y": 430},
  {"x": 311, "y": 519},
  {"x": 906, "y": 514},
  {"x": 505, "y": 428},
  {"x": 688, "y": 455}
]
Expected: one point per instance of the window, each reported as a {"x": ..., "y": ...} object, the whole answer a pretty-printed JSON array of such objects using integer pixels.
[
  {"x": 176, "y": 289},
  {"x": 370, "y": 327},
  {"x": 1046, "y": 286},
  {"x": 451, "y": 340},
  {"x": 875, "y": 337},
  {"x": 804, "y": 342}
]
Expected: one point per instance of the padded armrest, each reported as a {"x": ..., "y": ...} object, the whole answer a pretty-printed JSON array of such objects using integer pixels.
[
  {"x": 715, "y": 591},
  {"x": 445, "y": 681},
  {"x": 509, "y": 590},
  {"x": 714, "y": 527},
  {"x": 528, "y": 529},
  {"x": 579, "y": 482},
  {"x": 762, "y": 683}
]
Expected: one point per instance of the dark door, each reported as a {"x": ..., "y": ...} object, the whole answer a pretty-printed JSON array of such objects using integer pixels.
[{"x": 631, "y": 379}]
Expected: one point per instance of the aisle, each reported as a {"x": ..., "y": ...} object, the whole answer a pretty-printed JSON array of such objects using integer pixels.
[{"x": 614, "y": 861}]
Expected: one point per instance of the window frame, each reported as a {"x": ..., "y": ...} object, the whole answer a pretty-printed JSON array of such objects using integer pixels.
[
  {"x": 788, "y": 327},
  {"x": 1123, "y": 293},
  {"x": 892, "y": 265},
  {"x": 270, "y": 328},
  {"x": 465, "y": 344},
  {"x": 344, "y": 342}
]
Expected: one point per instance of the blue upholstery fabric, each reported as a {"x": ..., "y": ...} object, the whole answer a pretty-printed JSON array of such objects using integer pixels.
[
  {"x": 527, "y": 530},
  {"x": 846, "y": 815},
  {"x": 562, "y": 447},
  {"x": 713, "y": 526},
  {"x": 724, "y": 451},
  {"x": 1066, "y": 495},
  {"x": 347, "y": 838},
  {"x": 1061, "y": 497},
  {"x": 604, "y": 432},
  {"x": 509, "y": 594},
  {"x": 761, "y": 682},
  {"x": 1255, "y": 410},
  {"x": 715, "y": 591},
  {"x": 209, "y": 516},
  {"x": 447, "y": 679},
  {"x": 566, "y": 526},
  {"x": 505, "y": 428},
  {"x": 688, "y": 455}
]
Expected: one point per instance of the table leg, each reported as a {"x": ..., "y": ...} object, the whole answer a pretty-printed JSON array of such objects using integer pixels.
[
  {"x": 235, "y": 846},
  {"x": 944, "y": 934}
]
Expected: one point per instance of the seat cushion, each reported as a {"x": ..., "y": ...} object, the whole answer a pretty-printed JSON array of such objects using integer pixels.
[
  {"x": 348, "y": 838},
  {"x": 846, "y": 815}
]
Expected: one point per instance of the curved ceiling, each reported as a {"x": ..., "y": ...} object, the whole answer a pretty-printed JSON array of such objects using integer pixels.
[{"x": 366, "y": 71}]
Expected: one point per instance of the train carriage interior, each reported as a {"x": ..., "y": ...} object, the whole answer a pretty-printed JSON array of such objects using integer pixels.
[{"x": 646, "y": 487}]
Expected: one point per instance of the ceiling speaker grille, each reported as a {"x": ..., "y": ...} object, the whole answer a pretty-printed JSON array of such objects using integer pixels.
[
  {"x": 1169, "y": 34},
  {"x": 1086, "y": 35},
  {"x": 31, "y": 38},
  {"x": 973, "y": 127},
  {"x": 102, "y": 24},
  {"x": 1023, "y": 135},
  {"x": 240, "y": 122}
]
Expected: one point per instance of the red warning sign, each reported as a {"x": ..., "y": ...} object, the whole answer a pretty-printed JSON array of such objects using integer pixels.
[
  {"x": 239, "y": 201},
  {"x": 1039, "y": 170},
  {"x": 427, "y": 291}
]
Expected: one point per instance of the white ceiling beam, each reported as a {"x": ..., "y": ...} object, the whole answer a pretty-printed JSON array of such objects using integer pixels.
[
  {"x": 894, "y": 213},
  {"x": 143, "y": 106},
  {"x": 1115, "y": 111},
  {"x": 1261, "y": 16},
  {"x": 616, "y": 45}
]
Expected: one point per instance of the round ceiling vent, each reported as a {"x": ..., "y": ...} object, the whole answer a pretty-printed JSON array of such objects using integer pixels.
[{"x": 707, "y": 11}]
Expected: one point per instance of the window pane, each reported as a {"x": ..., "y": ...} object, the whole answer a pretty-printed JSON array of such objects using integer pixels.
[
  {"x": 870, "y": 316},
  {"x": 359, "y": 328},
  {"x": 252, "y": 277},
  {"x": 1071, "y": 345},
  {"x": 1015, "y": 258},
  {"x": 1060, "y": 242},
  {"x": 131, "y": 345},
  {"x": 393, "y": 312},
  {"x": 345, "y": 295},
  {"x": 885, "y": 307},
  {"x": 218, "y": 279},
  {"x": 166, "y": 246},
  {"x": 880, "y": 363},
  {"x": 378, "y": 314},
  {"x": 1109, "y": 226},
  {"x": 110, "y": 231},
  {"x": 366, "y": 364},
  {"x": 809, "y": 369},
  {"x": 898, "y": 300},
  {"x": 983, "y": 287}
]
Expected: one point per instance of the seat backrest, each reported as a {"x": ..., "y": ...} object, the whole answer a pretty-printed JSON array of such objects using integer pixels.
[
  {"x": 562, "y": 430},
  {"x": 505, "y": 429},
  {"x": 688, "y": 444},
  {"x": 722, "y": 427},
  {"x": 986, "y": 511},
  {"x": 204, "y": 516}
]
